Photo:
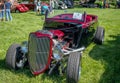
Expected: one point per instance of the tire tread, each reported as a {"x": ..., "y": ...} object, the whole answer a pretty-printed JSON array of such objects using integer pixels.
[
  {"x": 72, "y": 67},
  {"x": 11, "y": 56}
]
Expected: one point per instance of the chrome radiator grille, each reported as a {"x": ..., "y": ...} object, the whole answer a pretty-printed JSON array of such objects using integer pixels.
[{"x": 39, "y": 49}]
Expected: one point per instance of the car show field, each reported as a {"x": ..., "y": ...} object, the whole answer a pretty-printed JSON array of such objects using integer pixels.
[{"x": 100, "y": 63}]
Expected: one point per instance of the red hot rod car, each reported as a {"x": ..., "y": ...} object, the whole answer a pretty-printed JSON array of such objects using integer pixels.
[{"x": 58, "y": 46}]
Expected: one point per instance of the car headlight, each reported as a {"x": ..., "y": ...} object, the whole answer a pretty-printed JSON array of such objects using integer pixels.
[{"x": 57, "y": 52}]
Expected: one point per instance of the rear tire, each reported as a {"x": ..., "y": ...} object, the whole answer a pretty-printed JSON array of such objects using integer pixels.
[
  {"x": 11, "y": 56},
  {"x": 74, "y": 67},
  {"x": 99, "y": 35}
]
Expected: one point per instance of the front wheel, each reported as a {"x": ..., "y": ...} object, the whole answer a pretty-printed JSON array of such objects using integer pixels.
[
  {"x": 74, "y": 67},
  {"x": 15, "y": 58}
]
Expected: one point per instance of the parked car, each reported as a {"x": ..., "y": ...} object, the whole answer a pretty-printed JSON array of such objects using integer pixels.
[
  {"x": 58, "y": 46},
  {"x": 69, "y": 3},
  {"x": 62, "y": 5},
  {"x": 89, "y": 3},
  {"x": 20, "y": 8},
  {"x": 118, "y": 4}
]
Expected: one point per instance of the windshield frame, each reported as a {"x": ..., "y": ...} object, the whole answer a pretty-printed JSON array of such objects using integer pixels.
[{"x": 65, "y": 15}]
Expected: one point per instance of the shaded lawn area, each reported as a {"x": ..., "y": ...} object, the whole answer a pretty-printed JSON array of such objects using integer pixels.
[{"x": 100, "y": 64}]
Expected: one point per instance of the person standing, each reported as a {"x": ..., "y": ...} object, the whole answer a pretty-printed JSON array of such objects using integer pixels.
[
  {"x": 44, "y": 9},
  {"x": 38, "y": 7},
  {"x": 51, "y": 4},
  {"x": 104, "y": 3},
  {"x": 2, "y": 10},
  {"x": 7, "y": 10}
]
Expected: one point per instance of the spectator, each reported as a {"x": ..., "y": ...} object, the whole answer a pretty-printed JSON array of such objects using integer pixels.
[
  {"x": 104, "y": 3},
  {"x": 44, "y": 8},
  {"x": 7, "y": 9},
  {"x": 38, "y": 7},
  {"x": 51, "y": 4},
  {"x": 2, "y": 10}
]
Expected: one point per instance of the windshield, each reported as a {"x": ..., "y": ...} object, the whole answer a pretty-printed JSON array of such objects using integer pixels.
[
  {"x": 67, "y": 15},
  {"x": 63, "y": 19}
]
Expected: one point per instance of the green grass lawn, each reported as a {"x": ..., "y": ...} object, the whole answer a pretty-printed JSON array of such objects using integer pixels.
[{"x": 100, "y": 64}]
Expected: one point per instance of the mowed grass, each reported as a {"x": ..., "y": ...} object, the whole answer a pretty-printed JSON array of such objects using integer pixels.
[{"x": 100, "y": 63}]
